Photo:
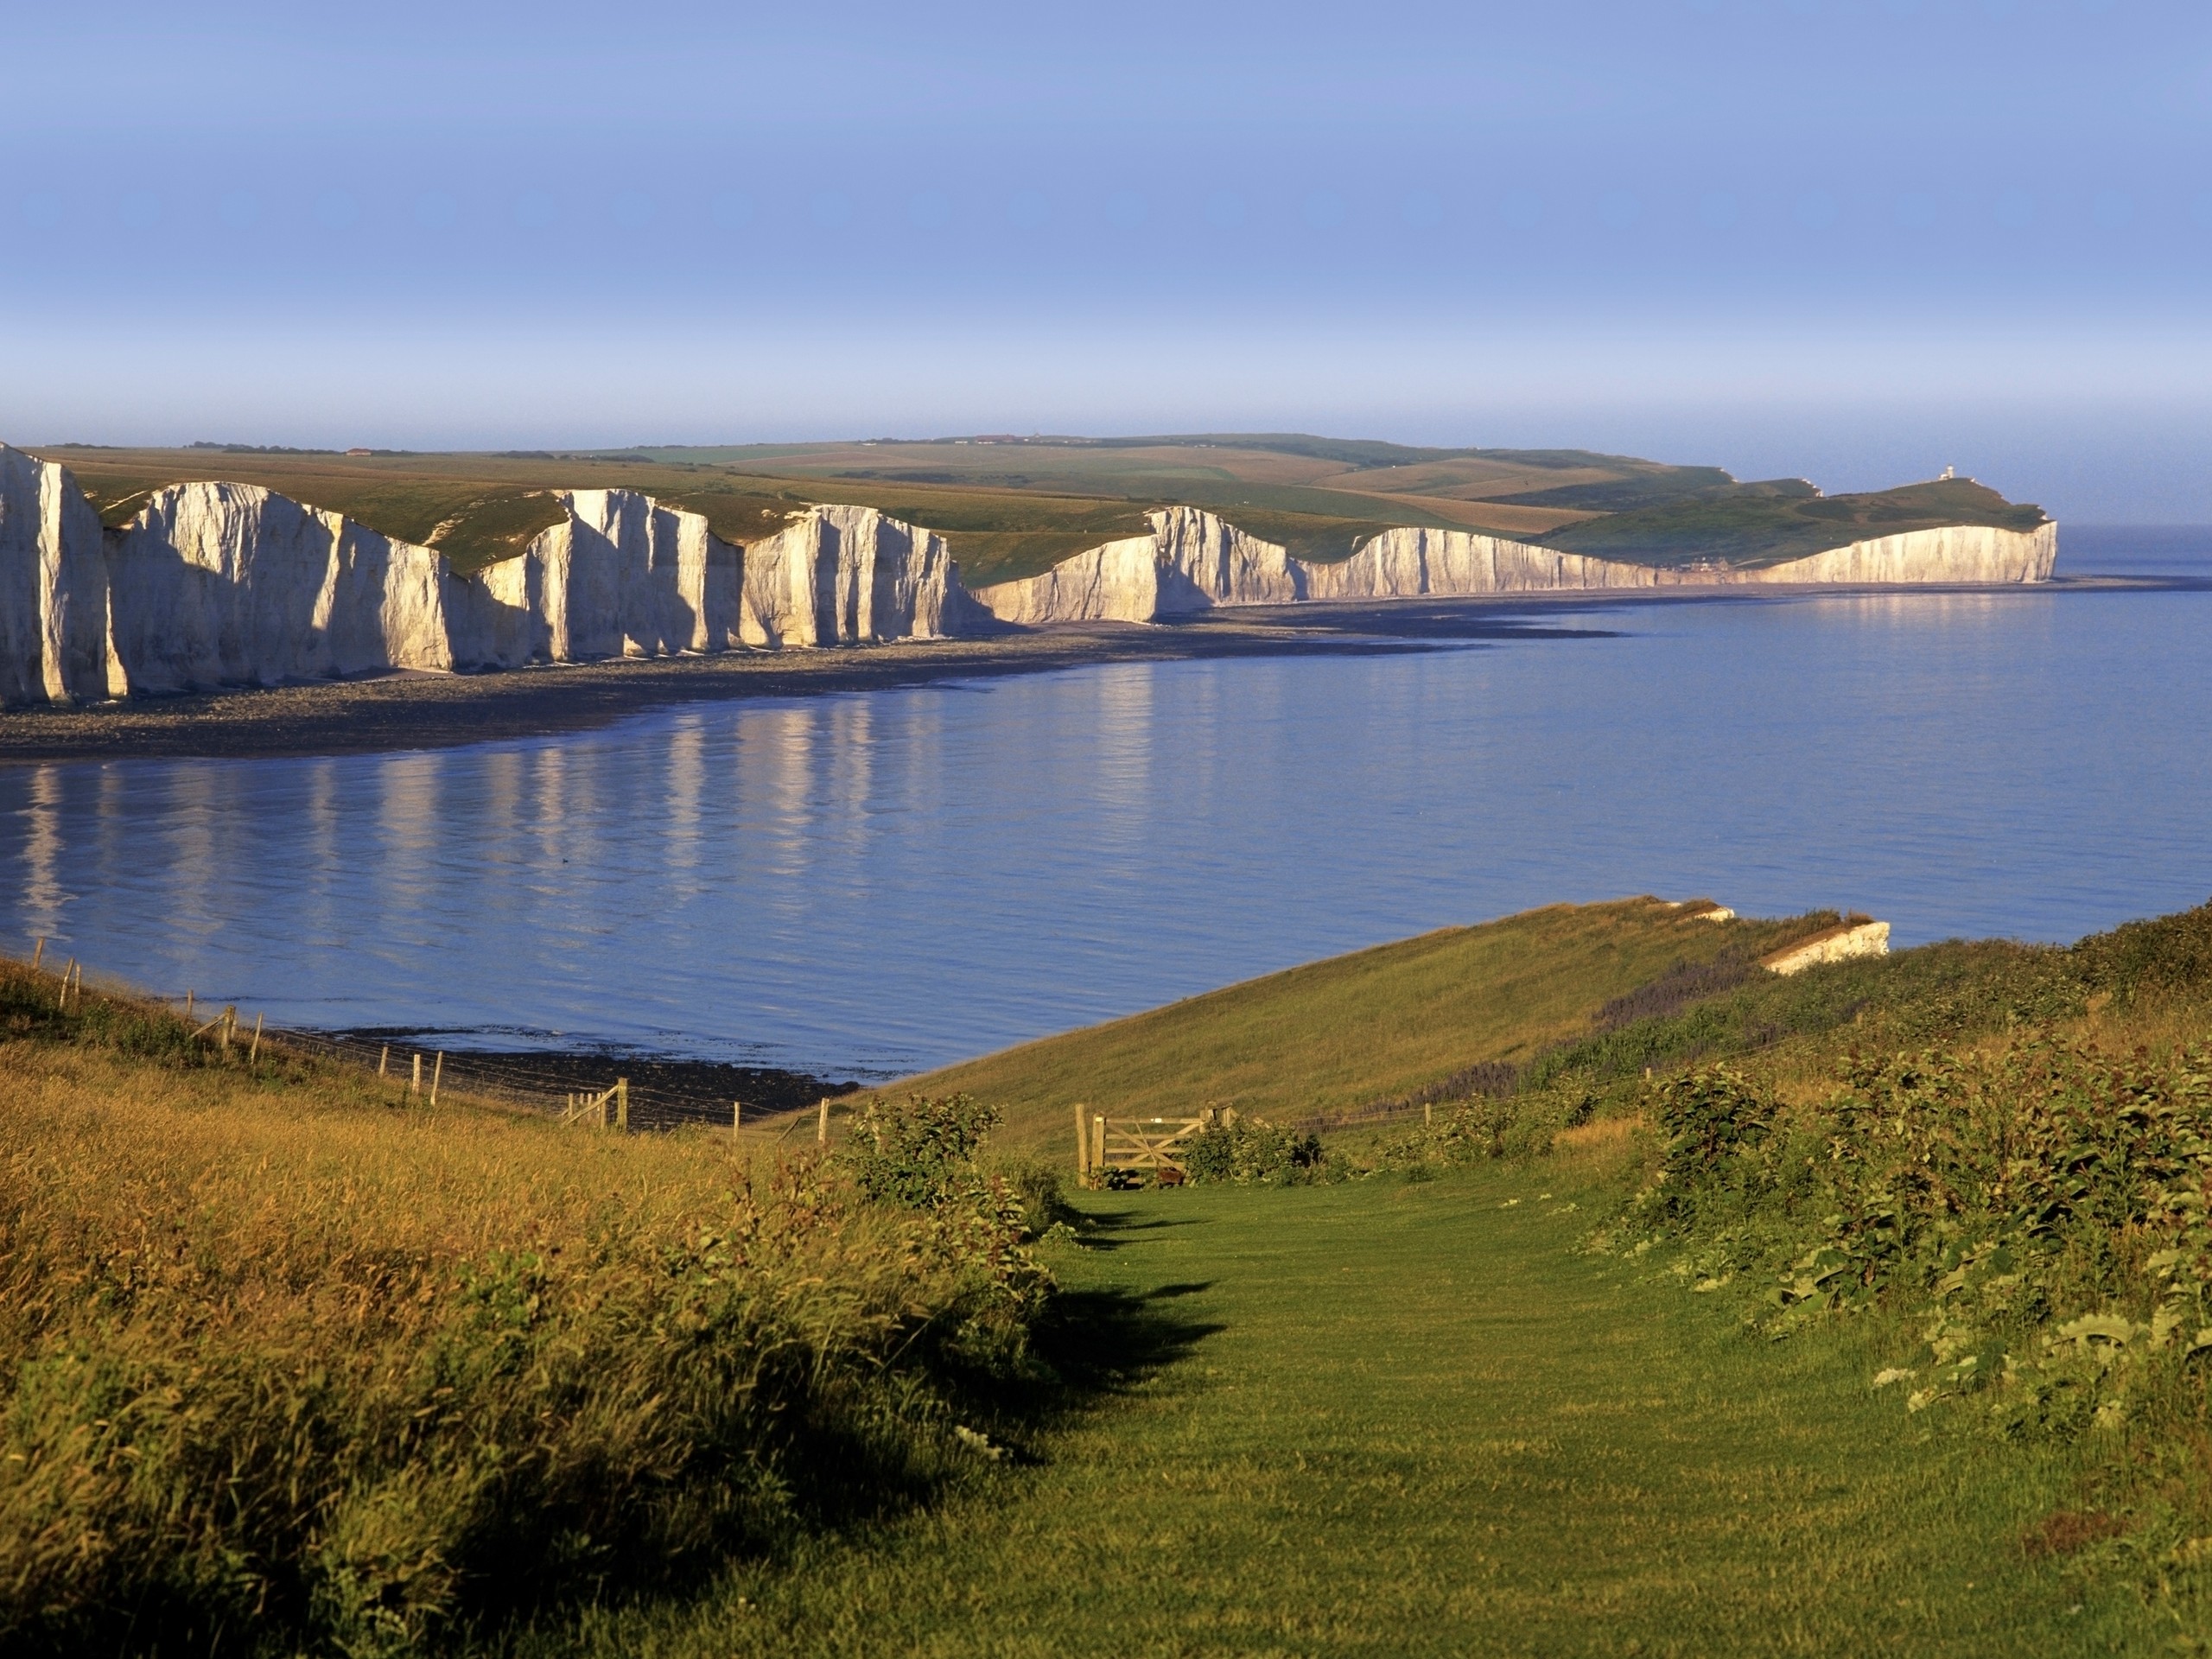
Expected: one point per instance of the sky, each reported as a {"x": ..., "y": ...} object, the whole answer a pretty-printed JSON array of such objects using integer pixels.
[{"x": 1855, "y": 240}]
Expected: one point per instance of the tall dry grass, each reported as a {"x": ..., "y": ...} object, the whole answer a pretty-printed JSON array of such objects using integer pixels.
[{"x": 285, "y": 1358}]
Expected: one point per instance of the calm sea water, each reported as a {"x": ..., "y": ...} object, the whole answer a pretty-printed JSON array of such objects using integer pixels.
[{"x": 868, "y": 884}]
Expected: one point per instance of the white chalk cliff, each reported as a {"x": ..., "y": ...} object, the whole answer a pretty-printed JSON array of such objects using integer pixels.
[
  {"x": 622, "y": 575},
  {"x": 216, "y": 584},
  {"x": 848, "y": 575},
  {"x": 228, "y": 584},
  {"x": 54, "y": 588},
  {"x": 1193, "y": 561}
]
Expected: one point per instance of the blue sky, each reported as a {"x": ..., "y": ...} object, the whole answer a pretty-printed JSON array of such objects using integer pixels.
[{"x": 1856, "y": 239}]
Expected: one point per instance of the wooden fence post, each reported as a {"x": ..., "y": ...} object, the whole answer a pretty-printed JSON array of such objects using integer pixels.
[
  {"x": 621, "y": 1103},
  {"x": 736, "y": 1117},
  {"x": 187, "y": 1005},
  {"x": 1427, "y": 1114},
  {"x": 415, "y": 1085},
  {"x": 62, "y": 1006},
  {"x": 822, "y": 1123},
  {"x": 384, "y": 1059},
  {"x": 1081, "y": 1147},
  {"x": 1098, "y": 1145},
  {"x": 37, "y": 955},
  {"x": 254, "y": 1053},
  {"x": 438, "y": 1076},
  {"x": 230, "y": 1024}
]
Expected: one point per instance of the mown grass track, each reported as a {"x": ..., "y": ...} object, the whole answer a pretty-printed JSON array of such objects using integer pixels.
[{"x": 1408, "y": 1419}]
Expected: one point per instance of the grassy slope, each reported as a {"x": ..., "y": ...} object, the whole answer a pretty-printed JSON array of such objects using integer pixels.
[
  {"x": 1405, "y": 1419},
  {"x": 283, "y": 1350},
  {"x": 1335, "y": 1035}
]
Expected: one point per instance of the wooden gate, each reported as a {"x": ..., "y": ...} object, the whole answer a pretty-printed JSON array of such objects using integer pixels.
[
  {"x": 1110, "y": 1146},
  {"x": 610, "y": 1107}
]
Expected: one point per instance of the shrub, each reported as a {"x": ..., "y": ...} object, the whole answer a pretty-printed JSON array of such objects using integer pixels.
[
  {"x": 1252, "y": 1151},
  {"x": 920, "y": 1152},
  {"x": 1039, "y": 1188},
  {"x": 2039, "y": 1215},
  {"x": 1479, "y": 1129},
  {"x": 2168, "y": 953}
]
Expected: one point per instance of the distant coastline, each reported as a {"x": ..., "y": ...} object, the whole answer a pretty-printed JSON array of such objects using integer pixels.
[{"x": 142, "y": 583}]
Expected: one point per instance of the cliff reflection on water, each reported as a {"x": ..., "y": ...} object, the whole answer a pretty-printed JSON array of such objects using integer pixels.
[{"x": 867, "y": 884}]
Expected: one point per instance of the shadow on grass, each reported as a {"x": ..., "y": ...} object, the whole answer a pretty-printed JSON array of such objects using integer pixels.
[
  {"x": 1102, "y": 1343},
  {"x": 1099, "y": 1229}
]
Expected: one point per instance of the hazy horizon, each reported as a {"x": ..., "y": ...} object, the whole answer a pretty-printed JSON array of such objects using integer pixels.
[{"x": 1856, "y": 241}]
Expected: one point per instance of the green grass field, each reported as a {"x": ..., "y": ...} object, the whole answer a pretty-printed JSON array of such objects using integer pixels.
[
  {"x": 1332, "y": 1037},
  {"x": 1397, "y": 1419}
]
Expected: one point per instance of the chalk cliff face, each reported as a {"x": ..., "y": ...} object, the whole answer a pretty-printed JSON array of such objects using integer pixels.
[
  {"x": 227, "y": 584},
  {"x": 622, "y": 576},
  {"x": 1117, "y": 582},
  {"x": 627, "y": 576},
  {"x": 54, "y": 588},
  {"x": 848, "y": 575},
  {"x": 215, "y": 584},
  {"x": 1192, "y": 561},
  {"x": 1408, "y": 562},
  {"x": 1960, "y": 553}
]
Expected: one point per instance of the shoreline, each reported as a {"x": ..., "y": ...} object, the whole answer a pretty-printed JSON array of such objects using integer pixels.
[{"x": 418, "y": 710}]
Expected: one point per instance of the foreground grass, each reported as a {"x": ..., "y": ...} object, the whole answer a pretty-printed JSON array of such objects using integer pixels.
[
  {"x": 1336, "y": 1036},
  {"x": 288, "y": 1364},
  {"x": 1409, "y": 1419}
]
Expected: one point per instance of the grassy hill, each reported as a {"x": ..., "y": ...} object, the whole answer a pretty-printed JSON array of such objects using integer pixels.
[
  {"x": 1013, "y": 507},
  {"x": 1888, "y": 1336},
  {"x": 1333, "y": 1037}
]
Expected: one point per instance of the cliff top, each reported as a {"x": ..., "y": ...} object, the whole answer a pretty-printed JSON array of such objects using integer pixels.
[{"x": 1013, "y": 506}]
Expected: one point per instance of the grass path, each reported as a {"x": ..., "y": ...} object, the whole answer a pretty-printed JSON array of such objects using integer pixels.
[{"x": 1409, "y": 1420}]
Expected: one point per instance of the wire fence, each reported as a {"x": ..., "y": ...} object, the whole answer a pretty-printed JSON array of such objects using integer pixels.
[{"x": 661, "y": 1093}]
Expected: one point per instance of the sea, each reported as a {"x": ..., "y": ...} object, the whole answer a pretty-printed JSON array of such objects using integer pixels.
[{"x": 868, "y": 885}]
